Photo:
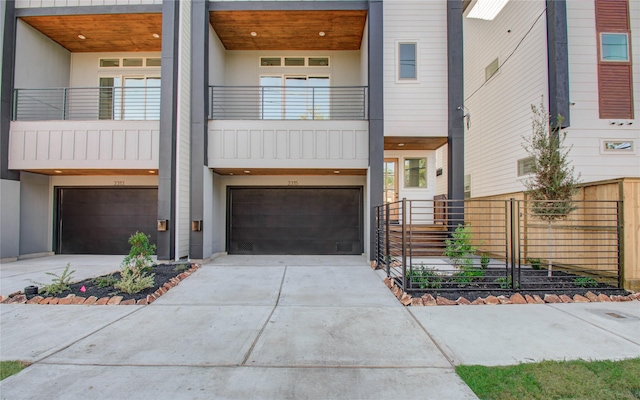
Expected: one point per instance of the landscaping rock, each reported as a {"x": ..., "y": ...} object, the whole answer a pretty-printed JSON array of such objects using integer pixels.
[
  {"x": 102, "y": 301},
  {"x": 477, "y": 302},
  {"x": 565, "y": 298},
  {"x": 405, "y": 299},
  {"x": 54, "y": 301},
  {"x": 35, "y": 300},
  {"x": 463, "y": 301},
  {"x": 18, "y": 299},
  {"x": 114, "y": 301},
  {"x": 428, "y": 300},
  {"x": 417, "y": 302},
  {"x": 538, "y": 299},
  {"x": 530, "y": 299},
  {"x": 604, "y": 298},
  {"x": 518, "y": 299},
  {"x": 91, "y": 300},
  {"x": 580, "y": 299},
  {"x": 491, "y": 300},
  {"x": 387, "y": 281},
  {"x": 504, "y": 300},
  {"x": 129, "y": 302},
  {"x": 442, "y": 301},
  {"x": 142, "y": 302},
  {"x": 552, "y": 298},
  {"x": 66, "y": 300},
  {"x": 46, "y": 300},
  {"x": 592, "y": 297},
  {"x": 78, "y": 300}
]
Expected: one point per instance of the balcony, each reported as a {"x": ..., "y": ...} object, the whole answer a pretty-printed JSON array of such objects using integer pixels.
[
  {"x": 88, "y": 104},
  {"x": 288, "y": 103}
]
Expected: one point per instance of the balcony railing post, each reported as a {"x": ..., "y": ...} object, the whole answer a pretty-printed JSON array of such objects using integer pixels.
[
  {"x": 387, "y": 254},
  {"x": 15, "y": 105},
  {"x": 404, "y": 244},
  {"x": 64, "y": 103},
  {"x": 313, "y": 103}
]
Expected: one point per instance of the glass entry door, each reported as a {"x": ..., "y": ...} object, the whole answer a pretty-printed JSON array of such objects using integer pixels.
[{"x": 390, "y": 185}]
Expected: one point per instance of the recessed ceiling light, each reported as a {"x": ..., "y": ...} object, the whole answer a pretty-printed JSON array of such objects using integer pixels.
[
  {"x": 321, "y": 33},
  {"x": 254, "y": 34},
  {"x": 155, "y": 35},
  {"x": 336, "y": 172},
  {"x": 83, "y": 37},
  {"x": 230, "y": 173},
  {"x": 57, "y": 171},
  {"x": 247, "y": 172},
  {"x": 400, "y": 144},
  {"x": 152, "y": 171}
]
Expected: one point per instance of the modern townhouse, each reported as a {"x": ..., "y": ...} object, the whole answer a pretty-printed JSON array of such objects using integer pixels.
[
  {"x": 580, "y": 59},
  {"x": 246, "y": 127}
]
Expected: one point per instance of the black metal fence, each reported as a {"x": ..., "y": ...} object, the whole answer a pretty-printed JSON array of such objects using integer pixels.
[
  {"x": 490, "y": 245},
  {"x": 288, "y": 103}
]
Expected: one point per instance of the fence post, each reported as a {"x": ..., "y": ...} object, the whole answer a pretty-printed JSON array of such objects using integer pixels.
[
  {"x": 404, "y": 244},
  {"x": 512, "y": 233},
  {"x": 387, "y": 252}
]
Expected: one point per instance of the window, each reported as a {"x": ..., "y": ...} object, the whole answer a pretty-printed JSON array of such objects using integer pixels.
[
  {"x": 491, "y": 69},
  {"x": 415, "y": 172},
  {"x": 153, "y": 62},
  {"x": 301, "y": 97},
  {"x": 614, "y": 47},
  {"x": 467, "y": 186},
  {"x": 526, "y": 166},
  {"x": 294, "y": 61},
  {"x": 132, "y": 62},
  {"x": 618, "y": 146},
  {"x": 129, "y": 98},
  {"x": 318, "y": 61},
  {"x": 407, "y": 61},
  {"x": 129, "y": 62},
  {"x": 109, "y": 62}
]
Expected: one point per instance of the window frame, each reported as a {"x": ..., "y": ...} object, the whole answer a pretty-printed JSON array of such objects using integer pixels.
[
  {"x": 283, "y": 60},
  {"x": 405, "y": 176},
  {"x": 601, "y": 47},
  {"x": 399, "y": 79},
  {"x": 522, "y": 161}
]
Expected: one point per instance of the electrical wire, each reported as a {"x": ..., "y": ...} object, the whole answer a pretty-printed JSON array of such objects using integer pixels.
[{"x": 509, "y": 56}]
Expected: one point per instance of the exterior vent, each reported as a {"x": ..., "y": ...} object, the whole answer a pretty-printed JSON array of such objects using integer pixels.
[{"x": 244, "y": 246}]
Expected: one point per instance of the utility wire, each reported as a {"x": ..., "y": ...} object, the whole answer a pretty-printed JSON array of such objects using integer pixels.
[{"x": 509, "y": 56}]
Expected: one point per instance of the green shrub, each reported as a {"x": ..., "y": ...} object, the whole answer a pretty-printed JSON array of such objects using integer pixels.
[
  {"x": 132, "y": 282},
  {"x": 59, "y": 283},
  {"x": 585, "y": 281},
  {"x": 425, "y": 278},
  {"x": 105, "y": 281},
  {"x": 484, "y": 260},
  {"x": 505, "y": 283},
  {"x": 136, "y": 267},
  {"x": 534, "y": 262},
  {"x": 467, "y": 275},
  {"x": 459, "y": 248}
]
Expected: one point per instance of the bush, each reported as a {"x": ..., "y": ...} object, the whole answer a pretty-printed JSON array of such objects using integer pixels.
[
  {"x": 459, "y": 248},
  {"x": 136, "y": 267},
  {"x": 59, "y": 283},
  {"x": 425, "y": 278},
  {"x": 484, "y": 261}
]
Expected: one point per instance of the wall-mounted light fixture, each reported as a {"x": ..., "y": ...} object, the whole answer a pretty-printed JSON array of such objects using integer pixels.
[
  {"x": 163, "y": 225},
  {"x": 196, "y": 226}
]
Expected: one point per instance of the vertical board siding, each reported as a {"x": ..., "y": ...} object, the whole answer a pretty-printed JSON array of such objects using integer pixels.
[
  {"x": 501, "y": 108},
  {"x": 51, "y": 145},
  {"x": 334, "y": 145},
  {"x": 417, "y": 108},
  {"x": 631, "y": 251}
]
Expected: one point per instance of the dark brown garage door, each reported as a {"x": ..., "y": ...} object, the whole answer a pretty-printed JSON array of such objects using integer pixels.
[
  {"x": 100, "y": 220},
  {"x": 295, "y": 221}
]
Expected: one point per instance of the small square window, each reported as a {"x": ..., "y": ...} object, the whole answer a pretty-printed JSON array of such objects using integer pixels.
[
  {"x": 270, "y": 61},
  {"x": 614, "y": 47},
  {"x": 621, "y": 146},
  {"x": 407, "y": 61},
  {"x": 109, "y": 62},
  {"x": 526, "y": 166},
  {"x": 132, "y": 62},
  {"x": 415, "y": 172},
  {"x": 294, "y": 62},
  {"x": 491, "y": 69},
  {"x": 318, "y": 61}
]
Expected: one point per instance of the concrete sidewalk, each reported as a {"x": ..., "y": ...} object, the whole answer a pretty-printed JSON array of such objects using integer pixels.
[{"x": 287, "y": 327}]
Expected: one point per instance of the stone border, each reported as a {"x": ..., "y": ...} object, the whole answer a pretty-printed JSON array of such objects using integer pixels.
[
  {"x": 20, "y": 298},
  {"x": 428, "y": 300}
]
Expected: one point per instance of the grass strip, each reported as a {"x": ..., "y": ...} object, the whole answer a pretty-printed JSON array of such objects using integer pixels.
[
  {"x": 555, "y": 380},
  {"x": 8, "y": 368}
]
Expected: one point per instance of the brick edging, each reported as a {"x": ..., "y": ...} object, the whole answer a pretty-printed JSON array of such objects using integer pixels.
[
  {"x": 516, "y": 298},
  {"x": 20, "y": 298}
]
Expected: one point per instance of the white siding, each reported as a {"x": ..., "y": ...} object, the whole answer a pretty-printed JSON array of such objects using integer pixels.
[
  {"x": 74, "y": 3},
  {"x": 500, "y": 110},
  {"x": 588, "y": 131},
  {"x": 40, "y": 62},
  {"x": 418, "y": 108},
  {"x": 364, "y": 56},
  {"x": 288, "y": 144},
  {"x": 442, "y": 184},
  {"x": 217, "y": 55},
  {"x": 83, "y": 145},
  {"x": 183, "y": 161},
  {"x": 426, "y": 193}
]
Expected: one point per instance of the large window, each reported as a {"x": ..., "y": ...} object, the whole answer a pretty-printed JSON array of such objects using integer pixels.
[
  {"x": 129, "y": 98},
  {"x": 415, "y": 172},
  {"x": 295, "y": 97},
  {"x": 407, "y": 61},
  {"x": 614, "y": 47}
]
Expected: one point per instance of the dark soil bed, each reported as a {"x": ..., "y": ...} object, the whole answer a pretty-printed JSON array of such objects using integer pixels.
[
  {"x": 531, "y": 282},
  {"x": 163, "y": 273}
]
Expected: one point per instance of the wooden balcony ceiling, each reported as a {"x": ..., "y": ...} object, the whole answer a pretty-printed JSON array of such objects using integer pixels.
[
  {"x": 289, "y": 171},
  {"x": 289, "y": 30},
  {"x": 413, "y": 143},
  {"x": 107, "y": 32}
]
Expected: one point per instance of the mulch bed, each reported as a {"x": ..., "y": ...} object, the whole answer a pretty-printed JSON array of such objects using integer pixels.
[{"x": 166, "y": 277}]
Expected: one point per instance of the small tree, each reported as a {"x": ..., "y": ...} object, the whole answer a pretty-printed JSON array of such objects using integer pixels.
[{"x": 552, "y": 186}]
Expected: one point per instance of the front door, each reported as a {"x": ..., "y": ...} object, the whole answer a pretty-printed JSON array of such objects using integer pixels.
[{"x": 391, "y": 185}]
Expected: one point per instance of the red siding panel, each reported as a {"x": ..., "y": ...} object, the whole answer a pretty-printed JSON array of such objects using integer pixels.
[{"x": 612, "y": 15}]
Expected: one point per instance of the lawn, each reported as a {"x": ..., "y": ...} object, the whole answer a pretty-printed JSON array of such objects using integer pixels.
[
  {"x": 555, "y": 380},
  {"x": 8, "y": 368}
]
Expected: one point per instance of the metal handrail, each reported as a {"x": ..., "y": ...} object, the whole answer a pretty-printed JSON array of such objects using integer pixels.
[
  {"x": 87, "y": 103},
  {"x": 288, "y": 103}
]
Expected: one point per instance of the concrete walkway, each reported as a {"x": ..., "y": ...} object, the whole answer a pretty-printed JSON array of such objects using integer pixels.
[{"x": 289, "y": 327}]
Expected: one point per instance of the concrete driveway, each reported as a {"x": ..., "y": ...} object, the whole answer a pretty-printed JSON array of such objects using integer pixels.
[{"x": 291, "y": 327}]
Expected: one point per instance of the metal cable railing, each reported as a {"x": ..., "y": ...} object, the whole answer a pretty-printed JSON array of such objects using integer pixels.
[
  {"x": 97, "y": 103},
  {"x": 288, "y": 103}
]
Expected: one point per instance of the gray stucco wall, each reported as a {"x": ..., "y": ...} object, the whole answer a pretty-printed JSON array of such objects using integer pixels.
[
  {"x": 40, "y": 62},
  {"x": 34, "y": 213},
  {"x": 9, "y": 218}
]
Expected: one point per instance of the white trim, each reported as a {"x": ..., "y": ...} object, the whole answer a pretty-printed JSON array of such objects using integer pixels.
[
  {"x": 621, "y": 152},
  {"x": 626, "y": 34},
  {"x": 282, "y": 62}
]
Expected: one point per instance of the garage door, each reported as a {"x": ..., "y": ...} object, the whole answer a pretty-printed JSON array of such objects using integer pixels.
[
  {"x": 100, "y": 220},
  {"x": 295, "y": 221}
]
